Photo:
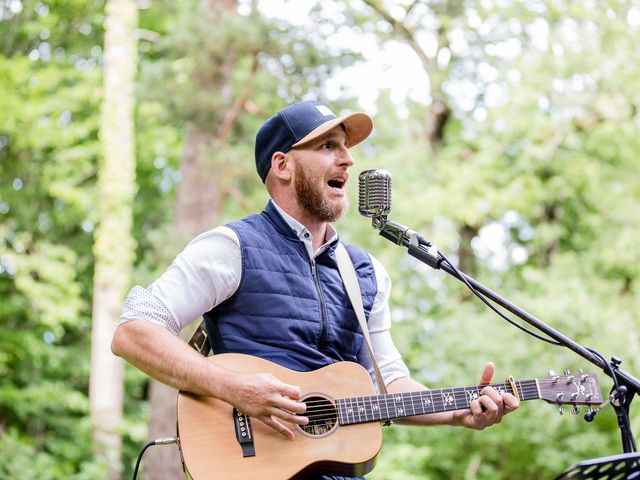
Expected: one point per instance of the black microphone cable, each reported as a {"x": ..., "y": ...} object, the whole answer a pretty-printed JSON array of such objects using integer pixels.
[
  {"x": 620, "y": 391},
  {"x": 374, "y": 200},
  {"x": 157, "y": 441},
  {"x": 492, "y": 307}
]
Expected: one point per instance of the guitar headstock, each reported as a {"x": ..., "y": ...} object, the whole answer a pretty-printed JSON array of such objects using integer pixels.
[{"x": 578, "y": 389}]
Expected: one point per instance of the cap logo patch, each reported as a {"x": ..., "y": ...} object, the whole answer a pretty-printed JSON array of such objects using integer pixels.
[{"x": 324, "y": 110}]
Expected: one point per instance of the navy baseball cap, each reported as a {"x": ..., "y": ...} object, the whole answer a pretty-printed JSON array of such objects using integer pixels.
[{"x": 297, "y": 124}]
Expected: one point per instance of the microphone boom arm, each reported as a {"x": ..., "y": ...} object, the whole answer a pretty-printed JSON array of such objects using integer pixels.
[{"x": 423, "y": 250}]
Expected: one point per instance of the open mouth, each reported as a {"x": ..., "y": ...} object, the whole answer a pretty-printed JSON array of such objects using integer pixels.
[{"x": 338, "y": 183}]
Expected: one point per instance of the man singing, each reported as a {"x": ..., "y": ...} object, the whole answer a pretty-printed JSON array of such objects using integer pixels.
[{"x": 268, "y": 285}]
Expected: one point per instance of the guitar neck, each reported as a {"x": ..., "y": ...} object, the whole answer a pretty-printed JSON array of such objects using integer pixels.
[{"x": 399, "y": 405}]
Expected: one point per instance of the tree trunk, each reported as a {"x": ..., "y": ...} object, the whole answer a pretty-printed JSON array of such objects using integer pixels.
[
  {"x": 466, "y": 258},
  {"x": 114, "y": 246},
  {"x": 197, "y": 208},
  {"x": 197, "y": 203}
]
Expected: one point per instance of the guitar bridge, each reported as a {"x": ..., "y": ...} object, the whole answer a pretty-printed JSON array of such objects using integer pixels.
[{"x": 244, "y": 433}]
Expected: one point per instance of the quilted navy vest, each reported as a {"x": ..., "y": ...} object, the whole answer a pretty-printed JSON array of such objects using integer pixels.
[{"x": 288, "y": 308}]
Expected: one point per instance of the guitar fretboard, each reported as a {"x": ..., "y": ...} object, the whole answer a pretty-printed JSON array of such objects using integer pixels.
[{"x": 398, "y": 405}]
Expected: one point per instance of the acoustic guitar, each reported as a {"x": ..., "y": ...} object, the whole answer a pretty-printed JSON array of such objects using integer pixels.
[{"x": 344, "y": 433}]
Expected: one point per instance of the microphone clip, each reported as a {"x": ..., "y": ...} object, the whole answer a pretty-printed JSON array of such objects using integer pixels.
[
  {"x": 378, "y": 221},
  {"x": 415, "y": 243},
  {"x": 424, "y": 251}
]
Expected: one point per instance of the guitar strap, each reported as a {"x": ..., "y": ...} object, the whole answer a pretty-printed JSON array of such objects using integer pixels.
[
  {"x": 348, "y": 274},
  {"x": 200, "y": 342}
]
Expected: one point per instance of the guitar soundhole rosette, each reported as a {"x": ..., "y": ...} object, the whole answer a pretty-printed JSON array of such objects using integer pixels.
[{"x": 322, "y": 414}]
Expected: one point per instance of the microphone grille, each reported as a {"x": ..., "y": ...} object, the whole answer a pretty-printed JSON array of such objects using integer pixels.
[{"x": 374, "y": 193}]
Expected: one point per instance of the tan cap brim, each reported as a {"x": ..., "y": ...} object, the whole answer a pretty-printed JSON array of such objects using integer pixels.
[{"x": 357, "y": 126}]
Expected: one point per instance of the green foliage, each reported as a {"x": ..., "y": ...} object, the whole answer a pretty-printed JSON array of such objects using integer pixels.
[
  {"x": 48, "y": 149},
  {"x": 552, "y": 169},
  {"x": 540, "y": 158},
  {"x": 50, "y": 28}
]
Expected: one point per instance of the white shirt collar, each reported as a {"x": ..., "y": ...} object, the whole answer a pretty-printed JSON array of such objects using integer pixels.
[{"x": 305, "y": 235}]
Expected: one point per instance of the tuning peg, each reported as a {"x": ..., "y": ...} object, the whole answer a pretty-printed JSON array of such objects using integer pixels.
[
  {"x": 569, "y": 376},
  {"x": 575, "y": 409},
  {"x": 567, "y": 372},
  {"x": 561, "y": 409},
  {"x": 554, "y": 376}
]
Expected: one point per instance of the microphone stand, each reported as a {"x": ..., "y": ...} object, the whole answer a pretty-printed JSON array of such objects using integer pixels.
[{"x": 626, "y": 386}]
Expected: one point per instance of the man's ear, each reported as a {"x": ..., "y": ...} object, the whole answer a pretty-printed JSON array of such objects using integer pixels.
[{"x": 281, "y": 166}]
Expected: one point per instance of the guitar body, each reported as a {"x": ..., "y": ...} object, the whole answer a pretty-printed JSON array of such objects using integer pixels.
[
  {"x": 344, "y": 434},
  {"x": 211, "y": 447}
]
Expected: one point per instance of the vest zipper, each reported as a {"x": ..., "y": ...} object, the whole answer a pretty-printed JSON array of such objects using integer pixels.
[{"x": 323, "y": 307}]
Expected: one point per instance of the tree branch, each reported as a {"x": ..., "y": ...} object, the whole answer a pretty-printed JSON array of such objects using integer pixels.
[
  {"x": 233, "y": 112},
  {"x": 407, "y": 34}
]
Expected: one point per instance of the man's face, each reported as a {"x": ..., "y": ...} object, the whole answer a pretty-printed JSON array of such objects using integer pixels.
[{"x": 320, "y": 176}]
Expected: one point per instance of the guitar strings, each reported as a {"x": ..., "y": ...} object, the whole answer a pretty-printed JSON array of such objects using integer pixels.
[
  {"x": 526, "y": 384},
  {"x": 458, "y": 390},
  {"x": 410, "y": 396},
  {"x": 527, "y": 393},
  {"x": 323, "y": 409},
  {"x": 529, "y": 387}
]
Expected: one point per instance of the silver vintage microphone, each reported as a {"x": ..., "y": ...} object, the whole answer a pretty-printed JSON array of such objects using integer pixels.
[
  {"x": 374, "y": 195},
  {"x": 374, "y": 201}
]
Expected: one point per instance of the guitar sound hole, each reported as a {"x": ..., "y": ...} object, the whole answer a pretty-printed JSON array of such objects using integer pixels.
[{"x": 322, "y": 415}]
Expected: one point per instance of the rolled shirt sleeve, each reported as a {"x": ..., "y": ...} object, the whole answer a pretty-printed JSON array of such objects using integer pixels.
[{"x": 206, "y": 273}]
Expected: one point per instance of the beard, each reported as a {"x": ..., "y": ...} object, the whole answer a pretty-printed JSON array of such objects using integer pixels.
[{"x": 315, "y": 201}]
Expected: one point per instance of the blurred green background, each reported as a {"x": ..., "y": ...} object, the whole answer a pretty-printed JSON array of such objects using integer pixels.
[{"x": 512, "y": 132}]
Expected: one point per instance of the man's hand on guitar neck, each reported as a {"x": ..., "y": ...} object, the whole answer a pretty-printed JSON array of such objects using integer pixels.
[
  {"x": 263, "y": 397},
  {"x": 486, "y": 410},
  {"x": 489, "y": 408}
]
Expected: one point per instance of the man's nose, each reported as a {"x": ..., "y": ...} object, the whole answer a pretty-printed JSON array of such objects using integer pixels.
[{"x": 344, "y": 157}]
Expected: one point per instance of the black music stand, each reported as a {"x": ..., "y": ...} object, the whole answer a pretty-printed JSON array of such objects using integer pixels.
[{"x": 616, "y": 467}]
